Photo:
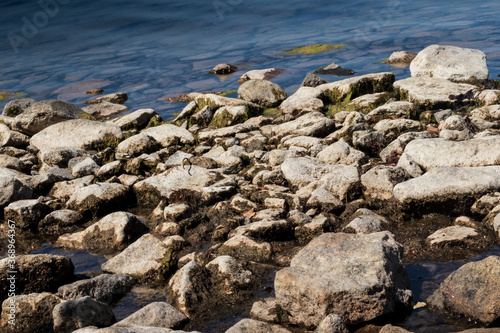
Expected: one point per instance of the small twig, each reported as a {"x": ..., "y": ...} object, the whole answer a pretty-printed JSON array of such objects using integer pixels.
[{"x": 190, "y": 165}]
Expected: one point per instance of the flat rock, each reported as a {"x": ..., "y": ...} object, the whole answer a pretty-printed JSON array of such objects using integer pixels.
[
  {"x": 401, "y": 58},
  {"x": 230, "y": 272},
  {"x": 168, "y": 134},
  {"x": 137, "y": 145},
  {"x": 12, "y": 138},
  {"x": 60, "y": 219},
  {"x": 99, "y": 199},
  {"x": 135, "y": 120},
  {"x": 301, "y": 171},
  {"x": 117, "y": 98},
  {"x": 250, "y": 325},
  {"x": 64, "y": 189},
  {"x": 487, "y": 117},
  {"x": 324, "y": 200},
  {"x": 365, "y": 222},
  {"x": 311, "y": 124},
  {"x": 305, "y": 99},
  {"x": 358, "y": 277},
  {"x": 392, "y": 128},
  {"x": 244, "y": 247},
  {"x": 105, "y": 110},
  {"x": 267, "y": 229},
  {"x": 209, "y": 134},
  {"x": 378, "y": 183},
  {"x": 341, "y": 180},
  {"x": 451, "y": 63},
  {"x": 135, "y": 329},
  {"x": 451, "y": 236},
  {"x": 260, "y": 74},
  {"x": 390, "y": 110},
  {"x": 156, "y": 314},
  {"x": 395, "y": 149},
  {"x": 265, "y": 310},
  {"x": 472, "y": 292}
]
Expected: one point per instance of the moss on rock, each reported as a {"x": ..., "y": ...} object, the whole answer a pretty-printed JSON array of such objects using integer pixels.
[{"x": 314, "y": 48}]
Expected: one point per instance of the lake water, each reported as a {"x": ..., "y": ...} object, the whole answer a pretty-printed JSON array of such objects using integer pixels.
[{"x": 151, "y": 49}]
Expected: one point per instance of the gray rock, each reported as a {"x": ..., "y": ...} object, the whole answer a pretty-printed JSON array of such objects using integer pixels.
[
  {"x": 210, "y": 134},
  {"x": 216, "y": 101},
  {"x": 401, "y": 58},
  {"x": 266, "y": 310},
  {"x": 111, "y": 233},
  {"x": 301, "y": 171},
  {"x": 391, "y": 110},
  {"x": 136, "y": 329},
  {"x": 369, "y": 141},
  {"x": 434, "y": 92},
  {"x": 270, "y": 213},
  {"x": 135, "y": 120},
  {"x": 262, "y": 92},
  {"x": 85, "y": 168},
  {"x": 105, "y": 110},
  {"x": 368, "y": 101},
  {"x": 156, "y": 314},
  {"x": 26, "y": 213},
  {"x": 393, "y": 329},
  {"x": 229, "y": 116},
  {"x": 358, "y": 277},
  {"x": 72, "y": 315},
  {"x": 452, "y": 236},
  {"x": 177, "y": 212},
  {"x": 324, "y": 200},
  {"x": 378, "y": 183},
  {"x": 341, "y": 180},
  {"x": 393, "y": 128},
  {"x": 397, "y": 147},
  {"x": 331, "y": 324},
  {"x": 202, "y": 117},
  {"x": 472, "y": 292},
  {"x": 260, "y": 74},
  {"x": 10, "y": 162},
  {"x": 487, "y": 117},
  {"x": 366, "y": 222},
  {"x": 223, "y": 69},
  {"x": 496, "y": 225},
  {"x": 341, "y": 153},
  {"x": 485, "y": 204},
  {"x": 311, "y": 124},
  {"x": 12, "y": 190},
  {"x": 250, "y": 325},
  {"x": 334, "y": 69},
  {"x": 137, "y": 145},
  {"x": 17, "y": 106},
  {"x": 61, "y": 156},
  {"x": 60, "y": 219},
  {"x": 77, "y": 133},
  {"x": 168, "y": 134},
  {"x": 313, "y": 229},
  {"x": 99, "y": 199},
  {"x": 33, "y": 313},
  {"x": 266, "y": 229},
  {"x": 305, "y": 99},
  {"x": 142, "y": 259},
  {"x": 9, "y": 138},
  {"x": 64, "y": 189},
  {"x": 278, "y": 156},
  {"x": 44, "y": 114},
  {"x": 117, "y": 98},
  {"x": 312, "y": 80},
  {"x": 230, "y": 272},
  {"x": 451, "y": 63},
  {"x": 105, "y": 288},
  {"x": 36, "y": 273},
  {"x": 246, "y": 248},
  {"x": 108, "y": 170}
]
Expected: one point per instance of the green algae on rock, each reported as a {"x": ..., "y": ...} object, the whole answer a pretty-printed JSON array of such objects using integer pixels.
[{"x": 315, "y": 48}]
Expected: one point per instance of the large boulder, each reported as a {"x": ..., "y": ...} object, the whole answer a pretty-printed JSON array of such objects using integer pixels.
[
  {"x": 451, "y": 63},
  {"x": 99, "y": 199},
  {"x": 156, "y": 314},
  {"x": 78, "y": 133},
  {"x": 262, "y": 92},
  {"x": 45, "y": 113},
  {"x": 358, "y": 277},
  {"x": 17, "y": 106},
  {"x": 472, "y": 292}
]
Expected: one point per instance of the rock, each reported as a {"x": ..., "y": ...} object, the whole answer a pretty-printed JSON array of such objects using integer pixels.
[
  {"x": 341, "y": 153},
  {"x": 175, "y": 242},
  {"x": 12, "y": 138},
  {"x": 229, "y": 116},
  {"x": 135, "y": 329},
  {"x": 325, "y": 201},
  {"x": 358, "y": 277},
  {"x": 393, "y": 329},
  {"x": 267, "y": 229},
  {"x": 61, "y": 156},
  {"x": 369, "y": 141},
  {"x": 17, "y": 106},
  {"x": 223, "y": 69},
  {"x": 111, "y": 233},
  {"x": 331, "y": 324},
  {"x": 277, "y": 203},
  {"x": 250, "y": 325},
  {"x": 246, "y": 248},
  {"x": 454, "y": 153},
  {"x": 210, "y": 134},
  {"x": 393, "y": 128},
  {"x": 496, "y": 225},
  {"x": 391, "y": 110},
  {"x": 44, "y": 114},
  {"x": 36, "y": 273},
  {"x": 305, "y": 99},
  {"x": 108, "y": 170},
  {"x": 85, "y": 168},
  {"x": 168, "y": 229},
  {"x": 26, "y": 213},
  {"x": 156, "y": 314},
  {"x": 485, "y": 204},
  {"x": 487, "y": 117},
  {"x": 267, "y": 214},
  {"x": 472, "y": 292},
  {"x": 13, "y": 190},
  {"x": 451, "y": 236},
  {"x": 230, "y": 272},
  {"x": 450, "y": 63},
  {"x": 260, "y": 74},
  {"x": 105, "y": 110},
  {"x": 266, "y": 310},
  {"x": 72, "y": 315},
  {"x": 395, "y": 149},
  {"x": 188, "y": 288},
  {"x": 301, "y": 171},
  {"x": 137, "y": 145},
  {"x": 116, "y": 98},
  {"x": 378, "y": 183},
  {"x": 367, "y": 222},
  {"x": 60, "y": 220},
  {"x": 168, "y": 134},
  {"x": 434, "y": 92},
  {"x": 99, "y": 199},
  {"x": 10, "y": 162},
  {"x": 449, "y": 187},
  {"x": 105, "y": 288},
  {"x": 334, "y": 69},
  {"x": 312, "y": 80},
  {"x": 401, "y": 58},
  {"x": 278, "y": 156},
  {"x": 262, "y": 92},
  {"x": 142, "y": 259},
  {"x": 202, "y": 117},
  {"x": 341, "y": 180},
  {"x": 313, "y": 229},
  {"x": 216, "y": 101},
  {"x": 64, "y": 189},
  {"x": 135, "y": 120},
  {"x": 77, "y": 133},
  {"x": 33, "y": 313},
  {"x": 489, "y": 96}
]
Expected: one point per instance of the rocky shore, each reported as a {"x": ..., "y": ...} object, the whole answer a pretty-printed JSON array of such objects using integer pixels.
[{"x": 328, "y": 192}]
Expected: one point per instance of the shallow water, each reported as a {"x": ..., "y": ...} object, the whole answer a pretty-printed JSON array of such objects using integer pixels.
[{"x": 151, "y": 49}]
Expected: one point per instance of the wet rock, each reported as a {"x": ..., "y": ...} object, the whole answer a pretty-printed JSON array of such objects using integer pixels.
[
  {"x": 111, "y": 233},
  {"x": 250, "y": 325},
  {"x": 341, "y": 153},
  {"x": 12, "y": 190},
  {"x": 85, "y": 168},
  {"x": 267, "y": 229},
  {"x": 229, "y": 272},
  {"x": 334, "y": 69},
  {"x": 26, "y": 213},
  {"x": 260, "y": 74},
  {"x": 485, "y": 204},
  {"x": 72, "y": 315},
  {"x": 262, "y": 92},
  {"x": 393, "y": 329},
  {"x": 312, "y": 80},
  {"x": 137, "y": 145},
  {"x": 36, "y": 273},
  {"x": 358, "y": 277},
  {"x": 156, "y": 314},
  {"x": 117, "y": 98},
  {"x": 246, "y": 248},
  {"x": 60, "y": 220},
  {"x": 378, "y": 183},
  {"x": 223, "y": 69},
  {"x": 391, "y": 110},
  {"x": 99, "y": 199},
  {"x": 366, "y": 222},
  {"x": 453, "y": 235},
  {"x": 393, "y": 128},
  {"x": 105, "y": 110},
  {"x": 266, "y": 310},
  {"x": 324, "y": 200},
  {"x": 17, "y": 106},
  {"x": 434, "y": 92},
  {"x": 44, "y": 114},
  {"x": 105, "y": 288},
  {"x": 202, "y": 117},
  {"x": 142, "y": 259},
  {"x": 77, "y": 133},
  {"x": 305, "y": 99},
  {"x": 331, "y": 324},
  {"x": 135, "y": 120},
  {"x": 401, "y": 58},
  {"x": 189, "y": 288},
  {"x": 12, "y": 138},
  {"x": 472, "y": 291},
  {"x": 33, "y": 313},
  {"x": 210, "y": 134},
  {"x": 168, "y": 134},
  {"x": 229, "y": 116},
  {"x": 450, "y": 62}
]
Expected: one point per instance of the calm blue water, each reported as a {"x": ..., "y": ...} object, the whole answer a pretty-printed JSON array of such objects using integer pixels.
[{"x": 154, "y": 48}]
